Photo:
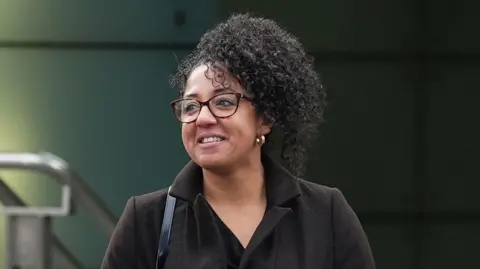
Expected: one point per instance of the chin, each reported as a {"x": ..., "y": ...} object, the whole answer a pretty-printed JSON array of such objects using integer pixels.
[{"x": 211, "y": 161}]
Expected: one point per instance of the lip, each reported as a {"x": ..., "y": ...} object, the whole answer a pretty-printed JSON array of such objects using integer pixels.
[
  {"x": 202, "y": 136},
  {"x": 210, "y": 145}
]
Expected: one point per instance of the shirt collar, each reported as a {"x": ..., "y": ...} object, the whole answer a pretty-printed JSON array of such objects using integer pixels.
[{"x": 281, "y": 185}]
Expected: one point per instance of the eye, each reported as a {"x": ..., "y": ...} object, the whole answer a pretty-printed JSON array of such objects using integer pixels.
[
  {"x": 225, "y": 102},
  {"x": 190, "y": 107}
]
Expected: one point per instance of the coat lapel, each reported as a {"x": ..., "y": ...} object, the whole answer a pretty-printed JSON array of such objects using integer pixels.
[{"x": 203, "y": 239}]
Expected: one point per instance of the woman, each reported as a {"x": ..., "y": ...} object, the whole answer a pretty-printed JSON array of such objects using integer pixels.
[{"x": 248, "y": 82}]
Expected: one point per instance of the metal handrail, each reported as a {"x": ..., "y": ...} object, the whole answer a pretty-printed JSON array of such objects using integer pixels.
[
  {"x": 46, "y": 163},
  {"x": 59, "y": 170},
  {"x": 61, "y": 254}
]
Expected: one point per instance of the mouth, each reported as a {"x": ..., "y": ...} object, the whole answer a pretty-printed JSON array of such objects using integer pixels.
[{"x": 210, "y": 139}]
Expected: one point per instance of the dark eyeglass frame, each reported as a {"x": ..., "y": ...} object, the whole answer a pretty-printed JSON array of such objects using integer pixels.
[{"x": 239, "y": 96}]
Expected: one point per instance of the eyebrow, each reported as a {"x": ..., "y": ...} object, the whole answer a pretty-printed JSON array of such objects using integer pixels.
[{"x": 216, "y": 91}]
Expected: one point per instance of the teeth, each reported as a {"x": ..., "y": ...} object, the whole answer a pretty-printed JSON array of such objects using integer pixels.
[{"x": 211, "y": 139}]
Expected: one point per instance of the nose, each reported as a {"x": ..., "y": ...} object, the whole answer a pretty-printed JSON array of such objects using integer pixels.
[{"x": 205, "y": 117}]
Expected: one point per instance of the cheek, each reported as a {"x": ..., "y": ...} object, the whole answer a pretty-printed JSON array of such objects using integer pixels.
[
  {"x": 187, "y": 133},
  {"x": 244, "y": 127}
]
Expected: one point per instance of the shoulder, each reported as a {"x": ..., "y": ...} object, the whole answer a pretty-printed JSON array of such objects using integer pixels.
[
  {"x": 148, "y": 203},
  {"x": 319, "y": 195},
  {"x": 143, "y": 214},
  {"x": 326, "y": 200},
  {"x": 352, "y": 249},
  {"x": 151, "y": 199},
  {"x": 137, "y": 225}
]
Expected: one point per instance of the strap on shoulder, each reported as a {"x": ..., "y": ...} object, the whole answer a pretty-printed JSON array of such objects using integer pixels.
[{"x": 166, "y": 230}]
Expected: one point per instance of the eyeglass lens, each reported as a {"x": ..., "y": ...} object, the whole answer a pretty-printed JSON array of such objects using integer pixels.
[{"x": 223, "y": 105}]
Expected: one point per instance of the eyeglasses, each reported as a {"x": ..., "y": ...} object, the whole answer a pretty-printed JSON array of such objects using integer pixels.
[{"x": 221, "y": 106}]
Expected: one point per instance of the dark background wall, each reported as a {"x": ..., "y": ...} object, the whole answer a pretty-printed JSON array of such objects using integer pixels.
[
  {"x": 89, "y": 82},
  {"x": 402, "y": 137}
]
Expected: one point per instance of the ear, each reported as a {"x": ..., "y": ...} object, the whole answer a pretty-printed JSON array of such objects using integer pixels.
[{"x": 263, "y": 127}]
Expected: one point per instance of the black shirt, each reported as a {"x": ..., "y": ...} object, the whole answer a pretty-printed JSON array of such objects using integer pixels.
[{"x": 233, "y": 248}]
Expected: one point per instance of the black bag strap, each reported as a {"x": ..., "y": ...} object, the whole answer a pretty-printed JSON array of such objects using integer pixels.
[{"x": 165, "y": 232}]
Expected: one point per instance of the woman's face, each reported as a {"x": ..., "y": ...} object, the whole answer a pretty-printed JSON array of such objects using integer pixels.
[{"x": 220, "y": 143}]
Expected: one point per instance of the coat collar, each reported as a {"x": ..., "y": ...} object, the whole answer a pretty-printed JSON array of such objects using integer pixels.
[{"x": 280, "y": 184}]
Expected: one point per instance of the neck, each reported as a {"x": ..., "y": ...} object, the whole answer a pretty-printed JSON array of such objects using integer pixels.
[{"x": 244, "y": 185}]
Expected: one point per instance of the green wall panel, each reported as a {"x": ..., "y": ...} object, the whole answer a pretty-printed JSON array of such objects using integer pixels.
[
  {"x": 106, "y": 113},
  {"x": 453, "y": 26},
  {"x": 392, "y": 244},
  {"x": 451, "y": 245},
  {"x": 365, "y": 145},
  {"x": 107, "y": 20},
  {"x": 340, "y": 25},
  {"x": 453, "y": 131}
]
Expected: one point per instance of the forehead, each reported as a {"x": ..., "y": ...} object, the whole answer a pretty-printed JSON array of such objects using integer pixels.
[{"x": 206, "y": 80}]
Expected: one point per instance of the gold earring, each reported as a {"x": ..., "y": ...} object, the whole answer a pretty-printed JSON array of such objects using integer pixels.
[{"x": 260, "y": 140}]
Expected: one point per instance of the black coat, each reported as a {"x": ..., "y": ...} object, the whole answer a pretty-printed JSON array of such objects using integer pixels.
[{"x": 306, "y": 226}]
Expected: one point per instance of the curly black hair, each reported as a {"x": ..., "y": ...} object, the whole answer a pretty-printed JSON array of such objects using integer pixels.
[{"x": 276, "y": 71}]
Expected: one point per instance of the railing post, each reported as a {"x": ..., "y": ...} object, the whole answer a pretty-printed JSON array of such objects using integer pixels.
[
  {"x": 28, "y": 229},
  {"x": 28, "y": 242}
]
